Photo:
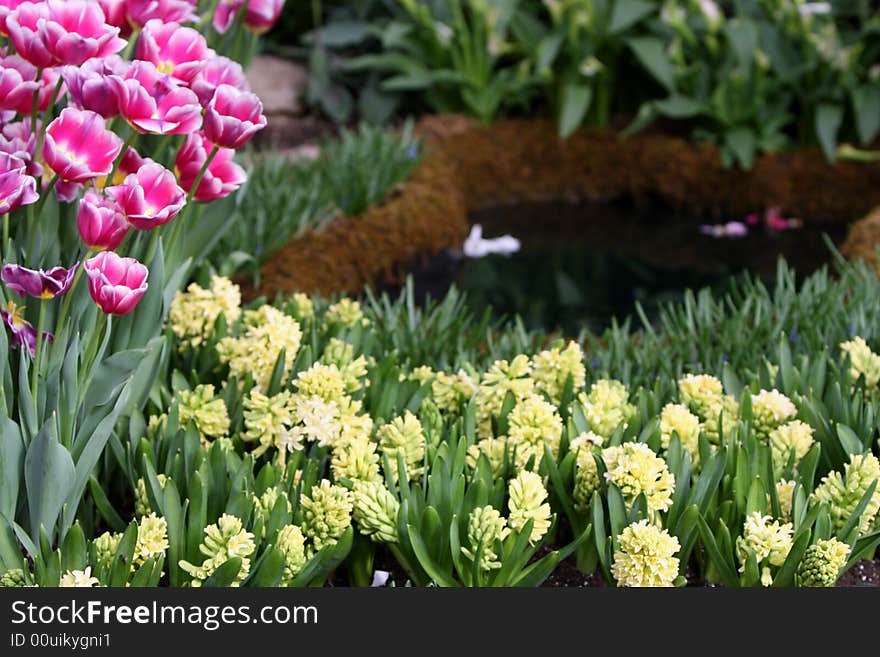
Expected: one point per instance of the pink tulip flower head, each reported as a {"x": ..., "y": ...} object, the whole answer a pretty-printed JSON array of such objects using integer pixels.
[
  {"x": 233, "y": 116},
  {"x": 168, "y": 11},
  {"x": 216, "y": 71},
  {"x": 115, "y": 15},
  {"x": 152, "y": 103},
  {"x": 101, "y": 222},
  {"x": 66, "y": 191},
  {"x": 176, "y": 51},
  {"x": 16, "y": 187},
  {"x": 151, "y": 197},
  {"x": 22, "y": 26},
  {"x": 90, "y": 86},
  {"x": 78, "y": 147},
  {"x": 116, "y": 284},
  {"x": 18, "y": 82},
  {"x": 21, "y": 331},
  {"x": 76, "y": 30},
  {"x": 6, "y": 6},
  {"x": 16, "y": 139},
  {"x": 225, "y": 14},
  {"x": 261, "y": 15},
  {"x": 222, "y": 177},
  {"x": 36, "y": 282}
]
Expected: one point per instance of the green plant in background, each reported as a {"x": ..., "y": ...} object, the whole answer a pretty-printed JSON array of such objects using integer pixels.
[
  {"x": 579, "y": 55},
  {"x": 459, "y": 56},
  {"x": 352, "y": 172}
]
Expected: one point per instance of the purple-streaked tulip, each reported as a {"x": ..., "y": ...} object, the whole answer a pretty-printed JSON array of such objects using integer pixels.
[
  {"x": 16, "y": 187},
  {"x": 78, "y": 147},
  {"x": 21, "y": 331},
  {"x": 116, "y": 284},
  {"x": 18, "y": 82},
  {"x": 168, "y": 11},
  {"x": 151, "y": 197},
  {"x": 233, "y": 116},
  {"x": 89, "y": 85},
  {"x": 76, "y": 30},
  {"x": 36, "y": 282},
  {"x": 152, "y": 103},
  {"x": 176, "y": 51},
  {"x": 101, "y": 222},
  {"x": 222, "y": 177},
  {"x": 216, "y": 71},
  {"x": 22, "y": 24}
]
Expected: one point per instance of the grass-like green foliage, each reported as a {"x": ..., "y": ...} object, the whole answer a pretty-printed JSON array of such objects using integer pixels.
[{"x": 283, "y": 199}]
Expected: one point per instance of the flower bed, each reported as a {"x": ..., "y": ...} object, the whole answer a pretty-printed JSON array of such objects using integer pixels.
[
  {"x": 468, "y": 166},
  {"x": 319, "y": 442}
]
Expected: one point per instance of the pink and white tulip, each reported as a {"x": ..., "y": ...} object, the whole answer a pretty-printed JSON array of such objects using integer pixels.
[
  {"x": 17, "y": 139},
  {"x": 78, "y": 147},
  {"x": 6, "y": 6},
  {"x": 152, "y": 103},
  {"x": 151, "y": 197},
  {"x": 18, "y": 82},
  {"x": 168, "y": 11},
  {"x": 22, "y": 24},
  {"x": 216, "y": 71},
  {"x": 233, "y": 116},
  {"x": 116, "y": 284},
  {"x": 259, "y": 16},
  {"x": 101, "y": 222},
  {"x": 176, "y": 51},
  {"x": 16, "y": 187},
  {"x": 222, "y": 177},
  {"x": 76, "y": 30}
]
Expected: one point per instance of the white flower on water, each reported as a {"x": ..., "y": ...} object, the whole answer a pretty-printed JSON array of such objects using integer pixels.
[{"x": 475, "y": 246}]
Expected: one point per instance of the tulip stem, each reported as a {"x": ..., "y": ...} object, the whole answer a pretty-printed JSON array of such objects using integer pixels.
[
  {"x": 201, "y": 174},
  {"x": 5, "y": 234},
  {"x": 129, "y": 143},
  {"x": 45, "y": 194},
  {"x": 38, "y": 353},
  {"x": 35, "y": 108},
  {"x": 42, "y": 134},
  {"x": 132, "y": 40},
  {"x": 68, "y": 297}
]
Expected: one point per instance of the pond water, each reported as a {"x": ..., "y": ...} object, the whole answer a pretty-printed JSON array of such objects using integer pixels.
[{"x": 582, "y": 263}]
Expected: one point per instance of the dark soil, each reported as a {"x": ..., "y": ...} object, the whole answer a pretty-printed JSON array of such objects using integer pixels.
[{"x": 864, "y": 573}]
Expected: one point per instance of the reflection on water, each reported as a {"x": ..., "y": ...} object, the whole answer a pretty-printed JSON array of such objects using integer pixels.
[{"x": 583, "y": 263}]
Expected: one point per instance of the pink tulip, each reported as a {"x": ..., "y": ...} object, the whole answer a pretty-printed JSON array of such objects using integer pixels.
[
  {"x": 152, "y": 103},
  {"x": 225, "y": 14},
  {"x": 21, "y": 331},
  {"x": 90, "y": 86},
  {"x": 233, "y": 116},
  {"x": 261, "y": 15},
  {"x": 16, "y": 187},
  {"x": 6, "y": 6},
  {"x": 222, "y": 177},
  {"x": 116, "y": 284},
  {"x": 176, "y": 51},
  {"x": 115, "y": 15},
  {"x": 78, "y": 147},
  {"x": 66, "y": 191},
  {"x": 216, "y": 71},
  {"x": 22, "y": 25},
  {"x": 101, "y": 222},
  {"x": 168, "y": 11},
  {"x": 18, "y": 82},
  {"x": 151, "y": 197},
  {"x": 76, "y": 30},
  {"x": 17, "y": 139},
  {"x": 36, "y": 282}
]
